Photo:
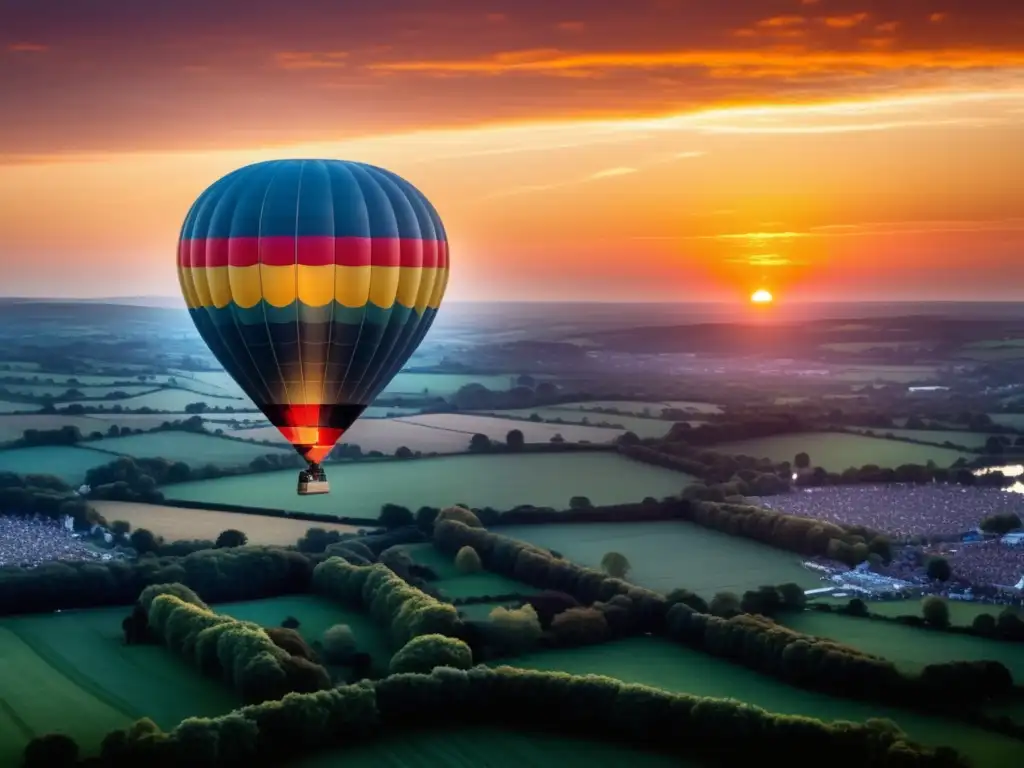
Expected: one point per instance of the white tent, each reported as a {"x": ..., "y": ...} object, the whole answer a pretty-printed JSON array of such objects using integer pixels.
[{"x": 1020, "y": 584}]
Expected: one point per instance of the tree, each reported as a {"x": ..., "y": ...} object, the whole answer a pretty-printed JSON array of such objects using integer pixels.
[
  {"x": 120, "y": 528},
  {"x": 515, "y": 630},
  {"x": 580, "y": 502},
  {"x": 935, "y": 611},
  {"x": 460, "y": 515},
  {"x": 994, "y": 445},
  {"x": 422, "y": 654},
  {"x": 615, "y": 565},
  {"x": 196, "y": 408},
  {"x": 479, "y": 443},
  {"x": 557, "y": 438},
  {"x": 515, "y": 440},
  {"x": 395, "y": 516},
  {"x": 403, "y": 452},
  {"x": 339, "y": 644},
  {"x": 231, "y": 538},
  {"x": 1000, "y": 524},
  {"x": 802, "y": 461},
  {"x": 724, "y": 604},
  {"x": 467, "y": 560},
  {"x": 984, "y": 624},
  {"x": 52, "y": 750},
  {"x": 143, "y": 541},
  {"x": 793, "y": 597},
  {"x": 938, "y": 569},
  {"x": 290, "y": 622}
]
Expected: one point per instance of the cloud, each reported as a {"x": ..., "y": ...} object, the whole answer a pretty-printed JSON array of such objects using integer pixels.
[
  {"x": 859, "y": 230},
  {"x": 788, "y": 61},
  {"x": 936, "y": 18},
  {"x": 612, "y": 172},
  {"x": 764, "y": 260},
  {"x": 782, "y": 21},
  {"x": 845, "y": 22},
  {"x": 571, "y": 26},
  {"x": 305, "y": 60},
  {"x": 27, "y": 48}
]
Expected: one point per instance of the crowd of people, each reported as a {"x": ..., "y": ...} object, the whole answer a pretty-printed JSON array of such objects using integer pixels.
[
  {"x": 28, "y": 542},
  {"x": 989, "y": 562},
  {"x": 901, "y": 511}
]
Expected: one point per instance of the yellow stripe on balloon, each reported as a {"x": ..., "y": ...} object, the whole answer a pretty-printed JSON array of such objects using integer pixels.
[{"x": 413, "y": 287}]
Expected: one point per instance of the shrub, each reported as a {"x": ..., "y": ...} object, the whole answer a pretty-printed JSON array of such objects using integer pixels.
[
  {"x": 459, "y": 514},
  {"x": 339, "y": 644},
  {"x": 514, "y": 630},
  {"x": 935, "y": 612},
  {"x": 724, "y": 604},
  {"x": 580, "y": 626},
  {"x": 422, "y": 654},
  {"x": 468, "y": 561},
  {"x": 615, "y": 565}
]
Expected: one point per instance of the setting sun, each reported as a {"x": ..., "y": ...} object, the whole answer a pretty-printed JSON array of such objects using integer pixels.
[{"x": 761, "y": 296}]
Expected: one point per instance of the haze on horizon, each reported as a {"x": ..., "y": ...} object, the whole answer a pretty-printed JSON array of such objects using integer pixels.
[{"x": 655, "y": 151}]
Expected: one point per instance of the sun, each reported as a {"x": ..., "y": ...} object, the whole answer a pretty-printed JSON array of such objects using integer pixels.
[{"x": 761, "y": 296}]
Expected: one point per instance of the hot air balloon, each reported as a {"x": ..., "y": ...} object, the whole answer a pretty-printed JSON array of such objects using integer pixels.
[{"x": 312, "y": 282}]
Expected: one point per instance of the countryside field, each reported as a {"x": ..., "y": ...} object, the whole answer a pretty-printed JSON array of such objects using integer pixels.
[
  {"x": 190, "y": 447},
  {"x": 934, "y": 436},
  {"x": 909, "y": 647},
  {"x": 67, "y": 463},
  {"x": 173, "y": 400},
  {"x": 666, "y": 555},
  {"x": 70, "y": 672},
  {"x": 501, "y": 481},
  {"x": 663, "y": 664},
  {"x": 9, "y": 407},
  {"x": 1008, "y": 419},
  {"x": 961, "y": 613},
  {"x": 897, "y": 374},
  {"x": 177, "y": 523},
  {"x": 315, "y": 615},
  {"x": 384, "y": 435},
  {"x": 497, "y": 428},
  {"x": 642, "y": 427},
  {"x": 486, "y": 747},
  {"x": 457, "y": 585},
  {"x": 836, "y": 452}
]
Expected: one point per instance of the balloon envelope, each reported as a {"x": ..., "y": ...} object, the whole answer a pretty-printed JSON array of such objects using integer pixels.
[{"x": 312, "y": 282}]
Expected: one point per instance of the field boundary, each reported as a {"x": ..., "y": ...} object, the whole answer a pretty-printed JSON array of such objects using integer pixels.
[
  {"x": 24, "y": 728},
  {"x": 309, "y": 517}
]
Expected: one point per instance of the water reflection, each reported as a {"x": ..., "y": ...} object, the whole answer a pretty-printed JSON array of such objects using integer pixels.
[{"x": 1009, "y": 470}]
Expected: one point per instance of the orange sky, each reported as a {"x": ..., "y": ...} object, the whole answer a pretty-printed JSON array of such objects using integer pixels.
[{"x": 661, "y": 151}]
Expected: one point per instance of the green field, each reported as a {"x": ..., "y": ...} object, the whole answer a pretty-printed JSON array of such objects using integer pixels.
[
  {"x": 8, "y": 407},
  {"x": 443, "y": 384},
  {"x": 666, "y": 555},
  {"x": 69, "y": 464},
  {"x": 486, "y": 748},
  {"x": 897, "y": 374},
  {"x": 642, "y": 408},
  {"x": 315, "y": 615},
  {"x": 961, "y": 612},
  {"x": 662, "y": 664},
  {"x": 1008, "y": 419},
  {"x": 642, "y": 427},
  {"x": 497, "y": 428},
  {"x": 836, "y": 452},
  {"x": 90, "y": 392},
  {"x": 864, "y": 346},
  {"x": 501, "y": 481},
  {"x": 935, "y": 436},
  {"x": 455, "y": 584},
  {"x": 909, "y": 647},
  {"x": 70, "y": 672},
  {"x": 190, "y": 447},
  {"x": 173, "y": 400}
]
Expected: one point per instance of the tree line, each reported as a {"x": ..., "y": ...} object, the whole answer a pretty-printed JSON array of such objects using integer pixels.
[{"x": 713, "y": 731}]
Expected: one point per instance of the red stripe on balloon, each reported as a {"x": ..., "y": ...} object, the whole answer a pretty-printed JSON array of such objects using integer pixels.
[{"x": 312, "y": 251}]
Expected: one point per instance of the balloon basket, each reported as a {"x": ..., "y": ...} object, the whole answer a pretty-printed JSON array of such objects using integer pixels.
[{"x": 312, "y": 481}]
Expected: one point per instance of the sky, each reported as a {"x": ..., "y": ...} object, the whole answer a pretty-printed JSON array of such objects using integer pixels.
[{"x": 649, "y": 150}]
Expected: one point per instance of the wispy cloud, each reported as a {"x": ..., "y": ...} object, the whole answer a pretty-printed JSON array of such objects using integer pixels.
[
  {"x": 306, "y": 60},
  {"x": 764, "y": 260},
  {"x": 859, "y": 230},
  {"x": 612, "y": 172},
  {"x": 27, "y": 48}
]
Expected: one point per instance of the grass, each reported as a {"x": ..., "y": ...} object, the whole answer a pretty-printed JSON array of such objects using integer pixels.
[
  {"x": 490, "y": 747},
  {"x": 315, "y": 615},
  {"x": 662, "y": 664},
  {"x": 69, "y": 672},
  {"x": 573, "y": 418},
  {"x": 455, "y": 584},
  {"x": 497, "y": 428},
  {"x": 836, "y": 452},
  {"x": 194, "y": 449},
  {"x": 384, "y": 435},
  {"x": 176, "y": 523},
  {"x": 167, "y": 400},
  {"x": 666, "y": 555},
  {"x": 69, "y": 464},
  {"x": 444, "y": 384},
  {"x": 1008, "y": 419},
  {"x": 8, "y": 407},
  {"x": 935, "y": 436},
  {"x": 898, "y": 374},
  {"x": 909, "y": 647},
  {"x": 501, "y": 481},
  {"x": 961, "y": 613}
]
